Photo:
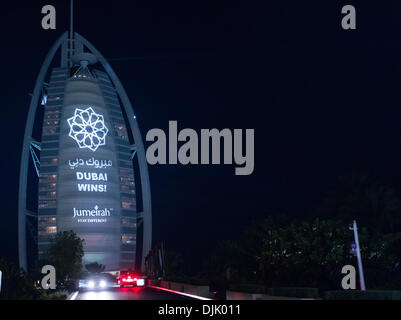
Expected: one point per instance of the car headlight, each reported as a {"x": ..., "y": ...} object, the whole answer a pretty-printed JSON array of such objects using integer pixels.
[
  {"x": 140, "y": 282},
  {"x": 91, "y": 284},
  {"x": 102, "y": 284}
]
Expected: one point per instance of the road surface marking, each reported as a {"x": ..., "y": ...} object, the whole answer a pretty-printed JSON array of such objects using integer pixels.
[
  {"x": 181, "y": 293},
  {"x": 73, "y": 296}
]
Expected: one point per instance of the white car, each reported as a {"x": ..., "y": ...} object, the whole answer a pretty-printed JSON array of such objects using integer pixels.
[{"x": 97, "y": 282}]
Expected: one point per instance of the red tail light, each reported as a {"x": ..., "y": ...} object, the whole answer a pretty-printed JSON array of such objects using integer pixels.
[{"x": 128, "y": 279}]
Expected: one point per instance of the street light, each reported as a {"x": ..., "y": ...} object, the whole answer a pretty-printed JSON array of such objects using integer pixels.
[{"x": 358, "y": 255}]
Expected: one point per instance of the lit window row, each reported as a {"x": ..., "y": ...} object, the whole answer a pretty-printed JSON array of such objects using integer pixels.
[
  {"x": 47, "y": 220},
  {"x": 128, "y": 238},
  {"x": 48, "y": 195},
  {"x": 127, "y": 189},
  {"x": 52, "y": 115},
  {"x": 56, "y": 98},
  {"x": 81, "y": 76},
  {"x": 127, "y": 205},
  {"x": 47, "y": 186},
  {"x": 49, "y": 161},
  {"x": 131, "y": 199},
  {"x": 128, "y": 222},
  {"x": 52, "y": 122},
  {"x": 47, "y": 178},
  {"x": 128, "y": 181},
  {"x": 121, "y": 131},
  {"x": 46, "y": 204},
  {"x": 46, "y": 231},
  {"x": 47, "y": 226}
]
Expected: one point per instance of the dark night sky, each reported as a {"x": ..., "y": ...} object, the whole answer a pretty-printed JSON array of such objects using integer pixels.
[{"x": 323, "y": 101}]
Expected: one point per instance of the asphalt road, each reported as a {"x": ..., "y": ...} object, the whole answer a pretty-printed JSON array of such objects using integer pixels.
[{"x": 136, "y": 293}]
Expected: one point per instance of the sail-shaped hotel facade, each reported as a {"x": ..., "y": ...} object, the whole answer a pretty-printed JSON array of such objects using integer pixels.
[{"x": 90, "y": 138}]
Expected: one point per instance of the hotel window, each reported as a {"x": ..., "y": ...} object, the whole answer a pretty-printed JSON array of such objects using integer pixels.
[
  {"x": 128, "y": 203},
  {"x": 53, "y": 99},
  {"x": 47, "y": 226},
  {"x": 127, "y": 181},
  {"x": 51, "y": 230},
  {"x": 48, "y": 195},
  {"x": 47, "y": 231},
  {"x": 48, "y": 131},
  {"x": 128, "y": 222},
  {"x": 121, "y": 131},
  {"x": 128, "y": 199},
  {"x": 46, "y": 204},
  {"x": 47, "y": 186},
  {"x": 52, "y": 115},
  {"x": 52, "y": 122},
  {"x": 127, "y": 189},
  {"x": 48, "y": 220},
  {"x": 128, "y": 238},
  {"x": 49, "y": 161},
  {"x": 47, "y": 178}
]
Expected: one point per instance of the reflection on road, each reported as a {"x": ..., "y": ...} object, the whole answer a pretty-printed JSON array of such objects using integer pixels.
[
  {"x": 134, "y": 293},
  {"x": 98, "y": 295}
]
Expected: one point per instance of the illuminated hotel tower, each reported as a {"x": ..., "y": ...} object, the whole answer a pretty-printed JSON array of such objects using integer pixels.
[{"x": 90, "y": 138}]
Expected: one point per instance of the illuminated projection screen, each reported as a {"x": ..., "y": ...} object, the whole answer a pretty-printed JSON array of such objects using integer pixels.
[{"x": 88, "y": 183}]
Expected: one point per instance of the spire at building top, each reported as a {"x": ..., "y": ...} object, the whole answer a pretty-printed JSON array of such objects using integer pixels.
[
  {"x": 71, "y": 37},
  {"x": 72, "y": 21}
]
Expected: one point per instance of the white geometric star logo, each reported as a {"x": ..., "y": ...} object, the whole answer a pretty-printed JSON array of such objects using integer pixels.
[{"x": 87, "y": 128}]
